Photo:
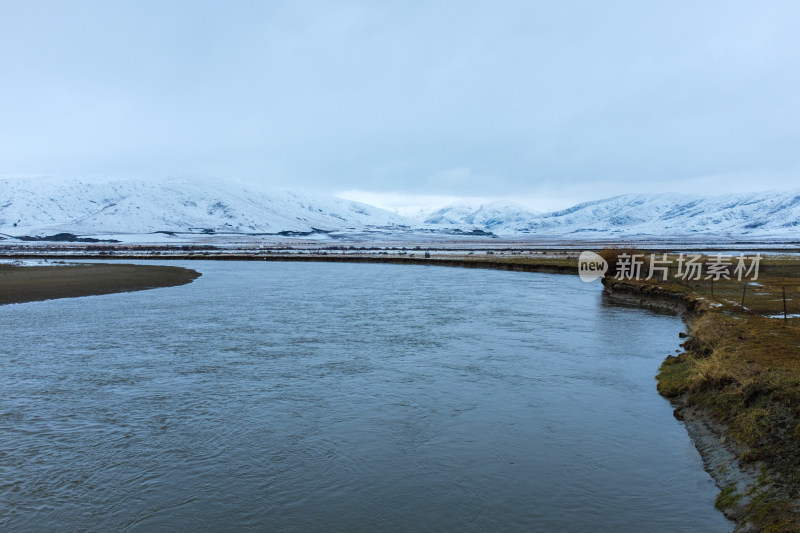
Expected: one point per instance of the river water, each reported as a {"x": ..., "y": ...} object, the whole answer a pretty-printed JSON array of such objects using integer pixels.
[{"x": 344, "y": 397}]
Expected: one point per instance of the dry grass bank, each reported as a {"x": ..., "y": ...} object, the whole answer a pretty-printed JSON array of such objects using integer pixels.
[{"x": 742, "y": 368}]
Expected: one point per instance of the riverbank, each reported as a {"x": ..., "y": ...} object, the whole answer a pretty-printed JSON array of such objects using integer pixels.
[
  {"x": 737, "y": 388},
  {"x": 20, "y": 284},
  {"x": 558, "y": 262}
]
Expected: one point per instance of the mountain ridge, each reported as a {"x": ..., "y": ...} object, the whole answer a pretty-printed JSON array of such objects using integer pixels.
[
  {"x": 41, "y": 205},
  {"x": 49, "y": 205}
]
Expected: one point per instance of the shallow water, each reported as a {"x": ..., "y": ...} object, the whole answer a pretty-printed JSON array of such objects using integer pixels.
[{"x": 344, "y": 397}]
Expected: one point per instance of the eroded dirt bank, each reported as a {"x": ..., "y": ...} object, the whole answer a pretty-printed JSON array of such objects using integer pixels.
[{"x": 738, "y": 400}]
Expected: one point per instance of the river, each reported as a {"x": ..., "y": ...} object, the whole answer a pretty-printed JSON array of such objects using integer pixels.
[{"x": 271, "y": 396}]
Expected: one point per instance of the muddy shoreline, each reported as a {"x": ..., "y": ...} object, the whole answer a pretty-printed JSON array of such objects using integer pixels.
[
  {"x": 20, "y": 284},
  {"x": 720, "y": 454}
]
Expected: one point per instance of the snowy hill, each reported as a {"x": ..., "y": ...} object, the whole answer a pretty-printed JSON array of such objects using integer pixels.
[
  {"x": 773, "y": 214},
  {"x": 487, "y": 216},
  {"x": 37, "y": 206},
  {"x": 732, "y": 215},
  {"x": 47, "y": 206}
]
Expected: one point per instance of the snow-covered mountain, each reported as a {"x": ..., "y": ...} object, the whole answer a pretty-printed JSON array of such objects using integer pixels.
[
  {"x": 46, "y": 206},
  {"x": 488, "y": 216},
  {"x": 35, "y": 206},
  {"x": 773, "y": 214},
  {"x": 671, "y": 214}
]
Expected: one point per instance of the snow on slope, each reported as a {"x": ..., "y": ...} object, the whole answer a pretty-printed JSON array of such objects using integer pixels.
[
  {"x": 49, "y": 205},
  {"x": 488, "y": 216},
  {"x": 731, "y": 215},
  {"x": 42, "y": 206},
  {"x": 774, "y": 214}
]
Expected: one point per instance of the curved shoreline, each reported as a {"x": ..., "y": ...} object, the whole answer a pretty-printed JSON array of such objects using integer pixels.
[
  {"x": 757, "y": 479},
  {"x": 718, "y": 453},
  {"x": 21, "y": 284}
]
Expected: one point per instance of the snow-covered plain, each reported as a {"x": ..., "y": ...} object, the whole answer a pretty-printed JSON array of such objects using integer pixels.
[{"x": 144, "y": 211}]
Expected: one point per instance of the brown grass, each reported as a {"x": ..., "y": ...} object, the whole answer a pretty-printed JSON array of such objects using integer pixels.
[{"x": 744, "y": 369}]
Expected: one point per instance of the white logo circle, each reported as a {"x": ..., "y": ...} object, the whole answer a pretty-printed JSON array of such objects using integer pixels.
[{"x": 591, "y": 266}]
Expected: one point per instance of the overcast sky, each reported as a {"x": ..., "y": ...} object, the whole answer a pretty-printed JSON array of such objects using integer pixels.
[{"x": 544, "y": 102}]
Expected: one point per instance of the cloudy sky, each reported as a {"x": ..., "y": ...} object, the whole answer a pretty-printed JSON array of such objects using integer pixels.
[{"x": 399, "y": 102}]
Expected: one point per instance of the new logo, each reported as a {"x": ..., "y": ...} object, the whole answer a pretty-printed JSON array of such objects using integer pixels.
[{"x": 591, "y": 266}]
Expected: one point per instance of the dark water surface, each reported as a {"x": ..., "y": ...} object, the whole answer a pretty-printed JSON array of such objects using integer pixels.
[{"x": 344, "y": 397}]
